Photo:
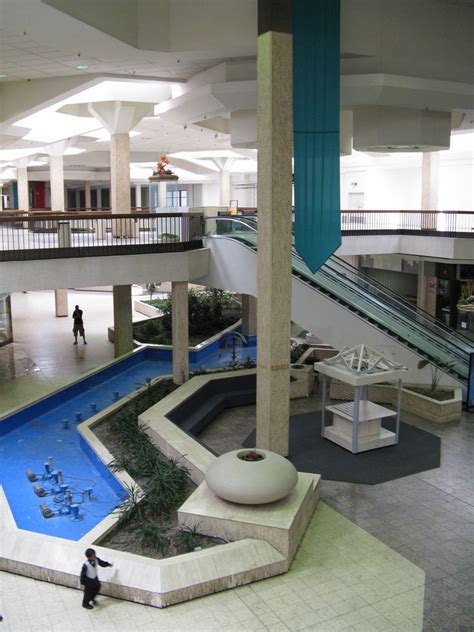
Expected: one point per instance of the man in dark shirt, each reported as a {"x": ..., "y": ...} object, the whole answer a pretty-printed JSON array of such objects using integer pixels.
[
  {"x": 78, "y": 327},
  {"x": 90, "y": 579}
]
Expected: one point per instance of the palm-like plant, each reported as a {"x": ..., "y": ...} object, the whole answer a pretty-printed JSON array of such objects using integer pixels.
[{"x": 439, "y": 367}]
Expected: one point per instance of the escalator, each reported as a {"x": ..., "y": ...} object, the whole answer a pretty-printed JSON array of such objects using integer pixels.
[{"x": 321, "y": 303}]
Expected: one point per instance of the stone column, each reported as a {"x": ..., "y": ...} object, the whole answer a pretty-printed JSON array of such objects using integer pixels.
[
  {"x": 56, "y": 175},
  {"x": 275, "y": 142},
  {"x": 87, "y": 195},
  {"x": 123, "y": 327},
  {"x": 162, "y": 189},
  {"x": 120, "y": 173},
  {"x": 22, "y": 184},
  {"x": 224, "y": 190},
  {"x": 180, "y": 328},
  {"x": 10, "y": 195},
  {"x": 429, "y": 188},
  {"x": 138, "y": 195},
  {"x": 427, "y": 287},
  {"x": 249, "y": 315}
]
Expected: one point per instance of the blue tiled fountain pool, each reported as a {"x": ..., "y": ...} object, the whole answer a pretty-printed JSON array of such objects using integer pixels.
[{"x": 40, "y": 431}]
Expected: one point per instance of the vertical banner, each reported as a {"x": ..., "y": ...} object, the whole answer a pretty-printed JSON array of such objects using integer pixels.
[{"x": 316, "y": 129}]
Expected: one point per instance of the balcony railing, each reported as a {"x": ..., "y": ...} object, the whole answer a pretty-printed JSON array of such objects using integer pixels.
[
  {"x": 434, "y": 223},
  {"x": 55, "y": 235}
]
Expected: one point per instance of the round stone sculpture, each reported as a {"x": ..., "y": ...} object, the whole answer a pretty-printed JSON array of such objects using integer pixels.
[{"x": 253, "y": 482}]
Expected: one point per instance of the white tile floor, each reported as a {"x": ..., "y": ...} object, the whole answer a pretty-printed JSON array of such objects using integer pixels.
[{"x": 342, "y": 577}]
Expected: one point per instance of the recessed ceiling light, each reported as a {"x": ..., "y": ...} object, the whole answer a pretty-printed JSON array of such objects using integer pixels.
[
  {"x": 82, "y": 67},
  {"x": 2, "y": 76}
]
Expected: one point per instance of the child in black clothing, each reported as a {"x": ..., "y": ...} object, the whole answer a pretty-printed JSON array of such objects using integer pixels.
[{"x": 89, "y": 578}]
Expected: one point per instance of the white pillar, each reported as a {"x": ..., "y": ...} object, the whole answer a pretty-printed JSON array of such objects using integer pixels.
[
  {"x": 138, "y": 195},
  {"x": 162, "y": 189},
  {"x": 56, "y": 176},
  {"x": 123, "y": 326},
  {"x": 429, "y": 189},
  {"x": 87, "y": 195},
  {"x": 22, "y": 185},
  {"x": 430, "y": 181},
  {"x": 99, "y": 198},
  {"x": 224, "y": 189},
  {"x": 249, "y": 315},
  {"x": 120, "y": 173},
  {"x": 275, "y": 142},
  {"x": 180, "y": 331}
]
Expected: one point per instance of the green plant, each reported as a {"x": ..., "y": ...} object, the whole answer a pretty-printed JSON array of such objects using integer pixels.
[
  {"x": 464, "y": 298},
  {"x": 188, "y": 538},
  {"x": 153, "y": 536},
  {"x": 296, "y": 352},
  {"x": 438, "y": 368},
  {"x": 152, "y": 288},
  {"x": 130, "y": 506}
]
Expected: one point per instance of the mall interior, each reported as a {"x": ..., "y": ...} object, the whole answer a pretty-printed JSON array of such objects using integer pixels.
[{"x": 304, "y": 171}]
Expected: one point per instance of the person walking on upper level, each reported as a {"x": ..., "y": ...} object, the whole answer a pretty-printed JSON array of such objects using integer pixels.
[{"x": 78, "y": 327}]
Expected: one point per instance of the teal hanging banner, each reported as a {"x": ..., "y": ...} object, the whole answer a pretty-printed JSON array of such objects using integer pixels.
[{"x": 316, "y": 129}]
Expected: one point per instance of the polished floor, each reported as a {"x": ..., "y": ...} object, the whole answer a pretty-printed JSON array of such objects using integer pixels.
[{"x": 362, "y": 565}]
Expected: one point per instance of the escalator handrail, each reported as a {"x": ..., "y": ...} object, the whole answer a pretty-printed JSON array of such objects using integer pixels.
[
  {"x": 437, "y": 341},
  {"x": 391, "y": 297}
]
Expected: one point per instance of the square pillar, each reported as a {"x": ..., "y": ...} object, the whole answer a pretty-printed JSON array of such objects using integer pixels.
[
  {"x": 180, "y": 331},
  {"x": 123, "y": 326},
  {"x": 249, "y": 315},
  {"x": 275, "y": 143},
  {"x": 61, "y": 302}
]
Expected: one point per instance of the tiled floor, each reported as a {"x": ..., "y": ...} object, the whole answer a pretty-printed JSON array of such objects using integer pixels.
[
  {"x": 342, "y": 577},
  {"x": 427, "y": 517}
]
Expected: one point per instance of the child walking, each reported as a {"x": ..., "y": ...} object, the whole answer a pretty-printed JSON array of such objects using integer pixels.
[{"x": 90, "y": 579}]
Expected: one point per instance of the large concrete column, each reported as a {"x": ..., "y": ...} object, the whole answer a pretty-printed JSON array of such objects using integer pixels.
[
  {"x": 123, "y": 327},
  {"x": 249, "y": 315},
  {"x": 138, "y": 195},
  {"x": 87, "y": 195},
  {"x": 429, "y": 188},
  {"x": 275, "y": 142},
  {"x": 224, "y": 188},
  {"x": 180, "y": 329},
  {"x": 120, "y": 173},
  {"x": 427, "y": 287},
  {"x": 56, "y": 178},
  {"x": 56, "y": 175},
  {"x": 22, "y": 184},
  {"x": 162, "y": 189}
]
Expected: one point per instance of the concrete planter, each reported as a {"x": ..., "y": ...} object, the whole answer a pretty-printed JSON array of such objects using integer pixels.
[
  {"x": 148, "y": 310},
  {"x": 304, "y": 380},
  {"x": 420, "y": 405},
  {"x": 251, "y": 482}
]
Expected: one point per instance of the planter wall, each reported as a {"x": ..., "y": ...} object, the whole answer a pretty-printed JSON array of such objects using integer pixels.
[
  {"x": 304, "y": 380},
  {"x": 420, "y": 405}
]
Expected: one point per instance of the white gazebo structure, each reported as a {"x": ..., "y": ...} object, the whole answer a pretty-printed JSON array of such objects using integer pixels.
[{"x": 357, "y": 425}]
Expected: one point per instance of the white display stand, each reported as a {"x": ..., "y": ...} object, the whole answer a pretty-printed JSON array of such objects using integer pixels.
[{"x": 357, "y": 425}]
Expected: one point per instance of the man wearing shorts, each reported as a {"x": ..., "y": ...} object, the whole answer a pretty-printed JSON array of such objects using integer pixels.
[{"x": 78, "y": 327}]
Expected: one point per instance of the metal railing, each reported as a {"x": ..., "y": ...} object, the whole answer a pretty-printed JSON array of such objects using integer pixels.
[
  {"x": 430, "y": 223},
  {"x": 56, "y": 235}
]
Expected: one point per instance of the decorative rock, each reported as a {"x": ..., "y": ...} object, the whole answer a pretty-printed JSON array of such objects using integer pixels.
[{"x": 253, "y": 482}]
